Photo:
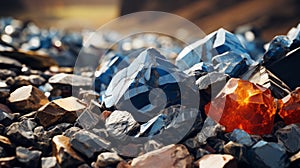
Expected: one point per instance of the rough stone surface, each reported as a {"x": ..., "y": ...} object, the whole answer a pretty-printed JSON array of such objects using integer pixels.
[
  {"x": 88, "y": 143},
  {"x": 27, "y": 98},
  {"x": 168, "y": 156},
  {"x": 121, "y": 123},
  {"x": 22, "y": 132},
  {"x": 28, "y": 158},
  {"x": 289, "y": 136},
  {"x": 217, "y": 161},
  {"x": 49, "y": 162},
  {"x": 59, "y": 111},
  {"x": 63, "y": 152},
  {"x": 241, "y": 137},
  {"x": 268, "y": 155},
  {"x": 70, "y": 79},
  {"x": 106, "y": 159}
]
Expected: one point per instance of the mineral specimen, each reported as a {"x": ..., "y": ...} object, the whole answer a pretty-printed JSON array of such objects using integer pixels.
[
  {"x": 60, "y": 110},
  {"x": 27, "y": 99},
  {"x": 28, "y": 158},
  {"x": 290, "y": 107},
  {"x": 106, "y": 159},
  {"x": 289, "y": 136},
  {"x": 221, "y": 49},
  {"x": 252, "y": 109},
  {"x": 149, "y": 84}
]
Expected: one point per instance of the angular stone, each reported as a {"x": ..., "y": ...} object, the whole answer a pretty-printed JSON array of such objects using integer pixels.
[
  {"x": 252, "y": 109},
  {"x": 6, "y": 118},
  {"x": 121, "y": 123},
  {"x": 88, "y": 120},
  {"x": 71, "y": 131},
  {"x": 199, "y": 70},
  {"x": 241, "y": 137},
  {"x": 27, "y": 98},
  {"x": 70, "y": 79},
  {"x": 34, "y": 59},
  {"x": 260, "y": 75},
  {"x": 290, "y": 107},
  {"x": 235, "y": 149},
  {"x": 153, "y": 126},
  {"x": 289, "y": 136},
  {"x": 210, "y": 85},
  {"x": 210, "y": 129},
  {"x": 106, "y": 72},
  {"x": 63, "y": 152},
  {"x": 21, "y": 133},
  {"x": 268, "y": 154},
  {"x": 28, "y": 158},
  {"x": 88, "y": 143},
  {"x": 221, "y": 49},
  {"x": 107, "y": 159},
  {"x": 59, "y": 111},
  {"x": 168, "y": 156},
  {"x": 149, "y": 84},
  {"x": 287, "y": 68},
  {"x": 278, "y": 47},
  {"x": 217, "y": 161},
  {"x": 49, "y": 162}
]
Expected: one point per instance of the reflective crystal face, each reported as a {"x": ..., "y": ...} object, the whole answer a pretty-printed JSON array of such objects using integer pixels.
[
  {"x": 221, "y": 49},
  {"x": 149, "y": 84},
  {"x": 242, "y": 104}
]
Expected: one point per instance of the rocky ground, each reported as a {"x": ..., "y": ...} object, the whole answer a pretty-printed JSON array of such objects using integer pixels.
[{"x": 54, "y": 116}]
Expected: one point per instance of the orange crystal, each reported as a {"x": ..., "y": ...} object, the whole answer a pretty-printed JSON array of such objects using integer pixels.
[
  {"x": 245, "y": 105},
  {"x": 290, "y": 107}
]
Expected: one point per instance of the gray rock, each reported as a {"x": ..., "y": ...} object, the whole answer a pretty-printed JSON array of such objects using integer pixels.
[
  {"x": 88, "y": 143},
  {"x": 268, "y": 155},
  {"x": 289, "y": 136},
  {"x": 27, "y": 158},
  {"x": 49, "y": 162},
  {"x": 22, "y": 132}
]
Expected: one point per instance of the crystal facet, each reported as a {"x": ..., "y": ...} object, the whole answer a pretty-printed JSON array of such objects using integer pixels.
[
  {"x": 221, "y": 49},
  {"x": 290, "y": 107},
  {"x": 243, "y": 105},
  {"x": 149, "y": 84}
]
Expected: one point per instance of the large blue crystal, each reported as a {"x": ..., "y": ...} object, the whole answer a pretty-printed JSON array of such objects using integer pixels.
[
  {"x": 149, "y": 84},
  {"x": 278, "y": 47},
  {"x": 221, "y": 49},
  {"x": 108, "y": 70}
]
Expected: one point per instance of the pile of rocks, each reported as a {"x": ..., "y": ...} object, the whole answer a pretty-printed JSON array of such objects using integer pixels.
[{"x": 50, "y": 117}]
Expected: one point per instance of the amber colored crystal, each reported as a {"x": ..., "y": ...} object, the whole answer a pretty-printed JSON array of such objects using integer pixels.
[
  {"x": 290, "y": 107},
  {"x": 245, "y": 105}
]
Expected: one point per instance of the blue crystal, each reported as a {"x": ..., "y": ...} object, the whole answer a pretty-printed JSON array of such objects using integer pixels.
[
  {"x": 108, "y": 70},
  {"x": 149, "y": 84},
  {"x": 220, "y": 49},
  {"x": 153, "y": 126},
  {"x": 278, "y": 47}
]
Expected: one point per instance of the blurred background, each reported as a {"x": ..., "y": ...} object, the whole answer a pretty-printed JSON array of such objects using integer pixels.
[{"x": 270, "y": 17}]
